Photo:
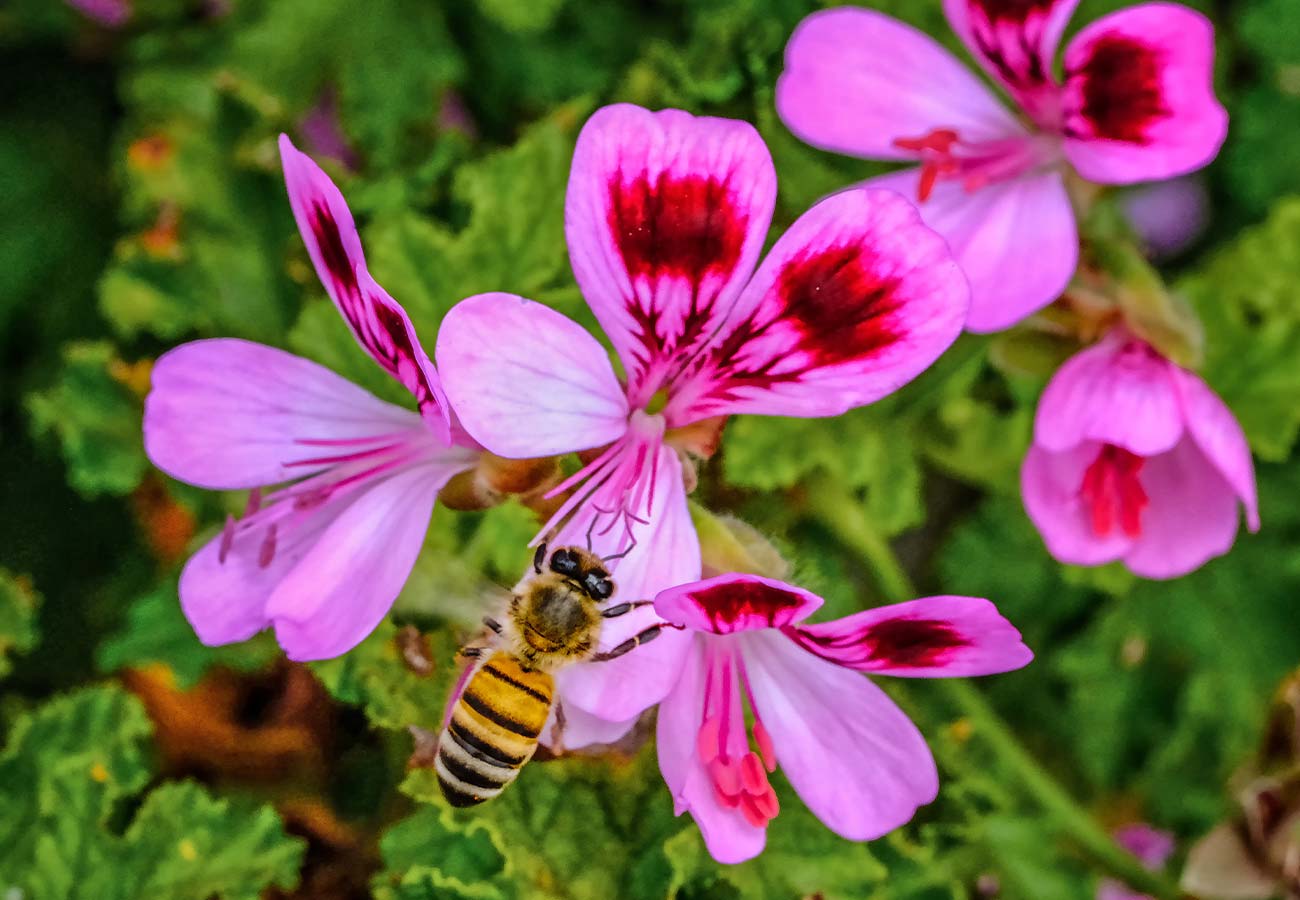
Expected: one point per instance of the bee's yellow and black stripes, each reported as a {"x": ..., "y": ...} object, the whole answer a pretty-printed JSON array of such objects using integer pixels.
[{"x": 493, "y": 729}]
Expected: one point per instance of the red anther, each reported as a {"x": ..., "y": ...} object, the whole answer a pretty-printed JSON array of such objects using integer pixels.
[
  {"x": 939, "y": 140},
  {"x": 765, "y": 748},
  {"x": 728, "y": 801},
  {"x": 726, "y": 777},
  {"x": 267, "y": 551},
  {"x": 1112, "y": 492},
  {"x": 766, "y": 803},
  {"x": 254, "y": 502},
  {"x": 708, "y": 742},
  {"x": 753, "y": 815},
  {"x": 752, "y": 776}
]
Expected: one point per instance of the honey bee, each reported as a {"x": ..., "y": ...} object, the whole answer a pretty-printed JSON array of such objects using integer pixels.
[{"x": 505, "y": 695}]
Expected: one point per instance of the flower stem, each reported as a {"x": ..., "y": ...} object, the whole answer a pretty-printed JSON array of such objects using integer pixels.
[{"x": 842, "y": 514}]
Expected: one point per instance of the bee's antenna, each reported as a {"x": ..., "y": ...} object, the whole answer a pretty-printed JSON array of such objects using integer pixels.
[
  {"x": 620, "y": 555},
  {"x": 539, "y": 557},
  {"x": 590, "y": 529}
]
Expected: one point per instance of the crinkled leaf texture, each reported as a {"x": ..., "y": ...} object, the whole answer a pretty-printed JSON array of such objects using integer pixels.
[
  {"x": 66, "y": 770},
  {"x": 18, "y": 603}
]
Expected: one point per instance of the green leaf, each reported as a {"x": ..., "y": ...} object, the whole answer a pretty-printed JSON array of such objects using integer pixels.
[
  {"x": 522, "y": 16},
  {"x": 1245, "y": 295},
  {"x": 18, "y": 603},
  {"x": 467, "y": 863},
  {"x": 156, "y": 632},
  {"x": 66, "y": 770},
  {"x": 536, "y": 823},
  {"x": 96, "y": 420}
]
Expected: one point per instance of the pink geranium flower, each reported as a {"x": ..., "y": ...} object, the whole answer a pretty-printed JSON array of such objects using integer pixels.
[
  {"x": 322, "y": 557},
  {"x": 853, "y": 757},
  {"x": 665, "y": 218},
  {"x": 1151, "y": 846},
  {"x": 110, "y": 13},
  {"x": 1135, "y": 104},
  {"x": 1135, "y": 458}
]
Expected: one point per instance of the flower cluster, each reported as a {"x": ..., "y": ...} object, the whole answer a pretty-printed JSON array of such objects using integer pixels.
[{"x": 666, "y": 217}]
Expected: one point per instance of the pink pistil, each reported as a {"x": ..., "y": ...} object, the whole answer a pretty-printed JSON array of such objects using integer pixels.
[
  {"x": 944, "y": 155},
  {"x": 1112, "y": 492}
]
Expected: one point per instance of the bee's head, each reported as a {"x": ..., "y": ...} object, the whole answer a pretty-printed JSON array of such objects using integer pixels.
[{"x": 583, "y": 568}]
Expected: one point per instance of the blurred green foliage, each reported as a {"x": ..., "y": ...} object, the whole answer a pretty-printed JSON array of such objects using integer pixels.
[{"x": 139, "y": 183}]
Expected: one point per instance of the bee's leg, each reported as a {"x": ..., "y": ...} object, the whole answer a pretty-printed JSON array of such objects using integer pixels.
[
  {"x": 492, "y": 623},
  {"x": 539, "y": 557},
  {"x": 642, "y": 637},
  {"x": 471, "y": 652},
  {"x": 623, "y": 609}
]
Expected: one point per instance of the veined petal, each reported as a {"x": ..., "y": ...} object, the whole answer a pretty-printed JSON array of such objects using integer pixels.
[
  {"x": 853, "y": 757},
  {"x": 1219, "y": 436},
  {"x": 930, "y": 637},
  {"x": 666, "y": 552},
  {"x": 1050, "y": 485},
  {"x": 1015, "y": 239},
  {"x": 527, "y": 381},
  {"x": 736, "y": 602},
  {"x": 582, "y": 729},
  {"x": 665, "y": 217},
  {"x": 855, "y": 80},
  {"x": 229, "y": 414},
  {"x": 1015, "y": 40},
  {"x": 345, "y": 584},
  {"x": 1192, "y": 516},
  {"x": 730, "y": 838},
  {"x": 856, "y": 299},
  {"x": 1139, "y": 96},
  {"x": 377, "y": 320},
  {"x": 1119, "y": 391}
]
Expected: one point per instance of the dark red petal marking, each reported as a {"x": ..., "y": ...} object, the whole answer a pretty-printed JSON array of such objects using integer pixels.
[
  {"x": 670, "y": 227},
  {"x": 379, "y": 327},
  {"x": 685, "y": 227},
  {"x": 737, "y": 602},
  {"x": 836, "y": 303},
  {"x": 843, "y": 309},
  {"x": 1112, "y": 494},
  {"x": 1012, "y": 10},
  {"x": 1121, "y": 90},
  {"x": 899, "y": 643}
]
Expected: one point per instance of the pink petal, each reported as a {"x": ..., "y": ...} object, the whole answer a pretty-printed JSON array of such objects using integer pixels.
[
  {"x": 665, "y": 217},
  {"x": 525, "y": 380},
  {"x": 229, "y": 414},
  {"x": 857, "y": 298},
  {"x": 1192, "y": 516},
  {"x": 736, "y": 602},
  {"x": 1050, "y": 486},
  {"x": 854, "y": 758},
  {"x": 1150, "y": 845},
  {"x": 667, "y": 552},
  {"x": 728, "y": 836},
  {"x": 1119, "y": 391},
  {"x": 345, "y": 584},
  {"x": 224, "y": 586},
  {"x": 856, "y": 80},
  {"x": 377, "y": 320},
  {"x": 1218, "y": 435},
  {"x": 930, "y": 637},
  {"x": 582, "y": 729},
  {"x": 1015, "y": 42},
  {"x": 1015, "y": 240},
  {"x": 1139, "y": 95}
]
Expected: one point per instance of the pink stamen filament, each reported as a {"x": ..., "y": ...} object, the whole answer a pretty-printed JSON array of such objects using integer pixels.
[
  {"x": 944, "y": 155},
  {"x": 739, "y": 780},
  {"x": 265, "y": 513},
  {"x": 1112, "y": 492}
]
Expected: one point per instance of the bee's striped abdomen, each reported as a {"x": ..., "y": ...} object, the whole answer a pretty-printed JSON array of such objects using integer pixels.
[{"x": 493, "y": 729}]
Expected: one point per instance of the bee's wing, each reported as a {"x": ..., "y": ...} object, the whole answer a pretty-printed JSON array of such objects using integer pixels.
[{"x": 459, "y": 687}]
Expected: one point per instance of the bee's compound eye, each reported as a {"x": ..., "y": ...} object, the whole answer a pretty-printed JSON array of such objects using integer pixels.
[
  {"x": 565, "y": 562},
  {"x": 597, "y": 584}
]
